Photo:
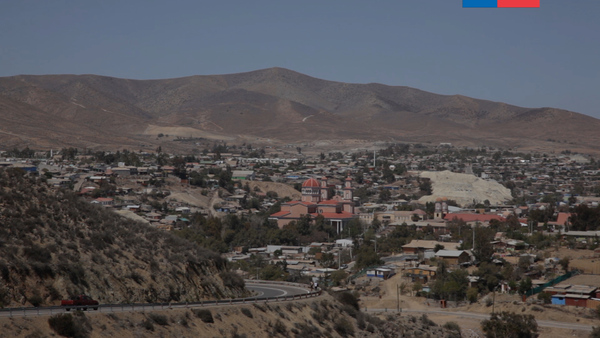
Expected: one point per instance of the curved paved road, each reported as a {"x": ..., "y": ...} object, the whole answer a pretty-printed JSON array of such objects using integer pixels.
[
  {"x": 272, "y": 290},
  {"x": 263, "y": 291}
]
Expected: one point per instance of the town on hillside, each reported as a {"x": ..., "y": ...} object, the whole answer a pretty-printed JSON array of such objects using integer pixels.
[{"x": 447, "y": 224}]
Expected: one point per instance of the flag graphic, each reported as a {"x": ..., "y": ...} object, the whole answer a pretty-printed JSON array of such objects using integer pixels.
[{"x": 501, "y": 3}]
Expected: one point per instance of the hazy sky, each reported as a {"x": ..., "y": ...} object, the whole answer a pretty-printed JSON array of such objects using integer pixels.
[{"x": 542, "y": 57}]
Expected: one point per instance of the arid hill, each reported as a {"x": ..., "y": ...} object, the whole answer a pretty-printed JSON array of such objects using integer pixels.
[
  {"x": 319, "y": 317},
  {"x": 53, "y": 244},
  {"x": 274, "y": 106}
]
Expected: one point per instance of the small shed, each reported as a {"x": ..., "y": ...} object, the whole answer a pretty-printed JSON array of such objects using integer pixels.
[
  {"x": 576, "y": 300},
  {"x": 381, "y": 272},
  {"x": 558, "y": 299},
  {"x": 453, "y": 257}
]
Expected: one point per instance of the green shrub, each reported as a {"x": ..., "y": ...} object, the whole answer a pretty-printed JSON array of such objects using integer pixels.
[
  {"x": 232, "y": 280},
  {"x": 426, "y": 321},
  {"x": 343, "y": 327},
  {"x": 306, "y": 330},
  {"x": 204, "y": 315},
  {"x": 159, "y": 319},
  {"x": 348, "y": 298},
  {"x": 453, "y": 326},
  {"x": 36, "y": 300},
  {"x": 246, "y": 311},
  {"x": 454, "y": 329},
  {"x": 148, "y": 325},
  {"x": 472, "y": 294},
  {"x": 279, "y": 328},
  {"x": 507, "y": 324},
  {"x": 64, "y": 325}
]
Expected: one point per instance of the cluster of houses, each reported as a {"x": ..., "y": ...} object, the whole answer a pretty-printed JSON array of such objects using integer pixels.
[
  {"x": 301, "y": 260},
  {"x": 575, "y": 295},
  {"x": 345, "y": 187}
]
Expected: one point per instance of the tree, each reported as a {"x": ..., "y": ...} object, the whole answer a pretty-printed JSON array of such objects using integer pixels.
[
  {"x": 510, "y": 325},
  {"x": 595, "y": 332},
  {"x": 483, "y": 251},
  {"x": 273, "y": 272},
  {"x": 366, "y": 257},
  {"x": 327, "y": 260},
  {"x": 417, "y": 287},
  {"x": 376, "y": 223},
  {"x": 545, "y": 297},
  {"x": 338, "y": 276},
  {"x": 425, "y": 186},
  {"x": 384, "y": 195},
  {"x": 403, "y": 287},
  {"x": 472, "y": 294},
  {"x": 525, "y": 285},
  {"x": 564, "y": 262}
]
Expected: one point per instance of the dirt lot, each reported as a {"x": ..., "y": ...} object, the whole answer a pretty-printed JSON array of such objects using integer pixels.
[
  {"x": 282, "y": 190},
  {"x": 373, "y": 288}
]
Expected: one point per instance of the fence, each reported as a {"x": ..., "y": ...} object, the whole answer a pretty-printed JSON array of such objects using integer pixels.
[{"x": 553, "y": 282}]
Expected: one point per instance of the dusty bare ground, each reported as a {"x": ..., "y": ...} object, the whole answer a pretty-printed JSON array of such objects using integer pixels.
[
  {"x": 464, "y": 188},
  {"x": 580, "y": 259},
  {"x": 583, "y": 260},
  {"x": 282, "y": 190},
  {"x": 370, "y": 292}
]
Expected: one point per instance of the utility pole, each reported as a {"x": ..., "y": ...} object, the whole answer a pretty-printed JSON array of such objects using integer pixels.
[
  {"x": 398, "y": 297},
  {"x": 374, "y": 157}
]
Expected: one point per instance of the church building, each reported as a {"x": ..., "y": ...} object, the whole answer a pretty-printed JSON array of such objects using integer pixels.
[{"x": 338, "y": 210}]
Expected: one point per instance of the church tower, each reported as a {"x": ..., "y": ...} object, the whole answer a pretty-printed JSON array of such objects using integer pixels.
[
  {"x": 311, "y": 192},
  {"x": 348, "y": 189},
  {"x": 324, "y": 191}
]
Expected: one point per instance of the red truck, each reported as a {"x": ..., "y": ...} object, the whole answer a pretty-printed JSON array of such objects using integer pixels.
[{"x": 81, "y": 300}]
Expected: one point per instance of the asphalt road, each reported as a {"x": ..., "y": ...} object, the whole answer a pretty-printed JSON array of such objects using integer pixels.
[
  {"x": 481, "y": 316},
  {"x": 268, "y": 290},
  {"x": 263, "y": 292}
]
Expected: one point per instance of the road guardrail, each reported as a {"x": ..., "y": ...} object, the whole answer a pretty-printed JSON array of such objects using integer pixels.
[{"x": 111, "y": 308}]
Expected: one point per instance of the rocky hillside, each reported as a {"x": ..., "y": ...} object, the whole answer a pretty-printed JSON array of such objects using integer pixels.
[
  {"x": 274, "y": 106},
  {"x": 54, "y": 244},
  {"x": 323, "y": 317}
]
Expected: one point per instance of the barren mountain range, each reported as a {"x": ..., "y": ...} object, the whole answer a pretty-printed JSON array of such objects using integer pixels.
[{"x": 276, "y": 106}]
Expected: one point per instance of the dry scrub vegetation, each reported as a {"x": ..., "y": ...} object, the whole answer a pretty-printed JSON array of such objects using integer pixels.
[
  {"x": 323, "y": 317},
  {"x": 53, "y": 244}
]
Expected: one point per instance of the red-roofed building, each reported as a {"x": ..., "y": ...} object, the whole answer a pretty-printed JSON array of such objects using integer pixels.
[
  {"x": 474, "y": 218},
  {"x": 105, "y": 201},
  {"x": 337, "y": 210},
  {"x": 562, "y": 220}
]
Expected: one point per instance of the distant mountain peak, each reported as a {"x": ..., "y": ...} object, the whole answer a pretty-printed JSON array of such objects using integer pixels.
[{"x": 273, "y": 103}]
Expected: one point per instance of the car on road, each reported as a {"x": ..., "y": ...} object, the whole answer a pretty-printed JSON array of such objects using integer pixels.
[{"x": 80, "y": 301}]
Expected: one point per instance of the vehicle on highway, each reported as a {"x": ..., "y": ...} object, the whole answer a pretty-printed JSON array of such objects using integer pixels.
[{"x": 78, "y": 301}]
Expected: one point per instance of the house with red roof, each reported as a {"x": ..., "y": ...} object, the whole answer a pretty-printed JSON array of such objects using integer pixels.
[
  {"x": 337, "y": 210},
  {"x": 562, "y": 220},
  {"x": 473, "y": 218},
  {"x": 105, "y": 201}
]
